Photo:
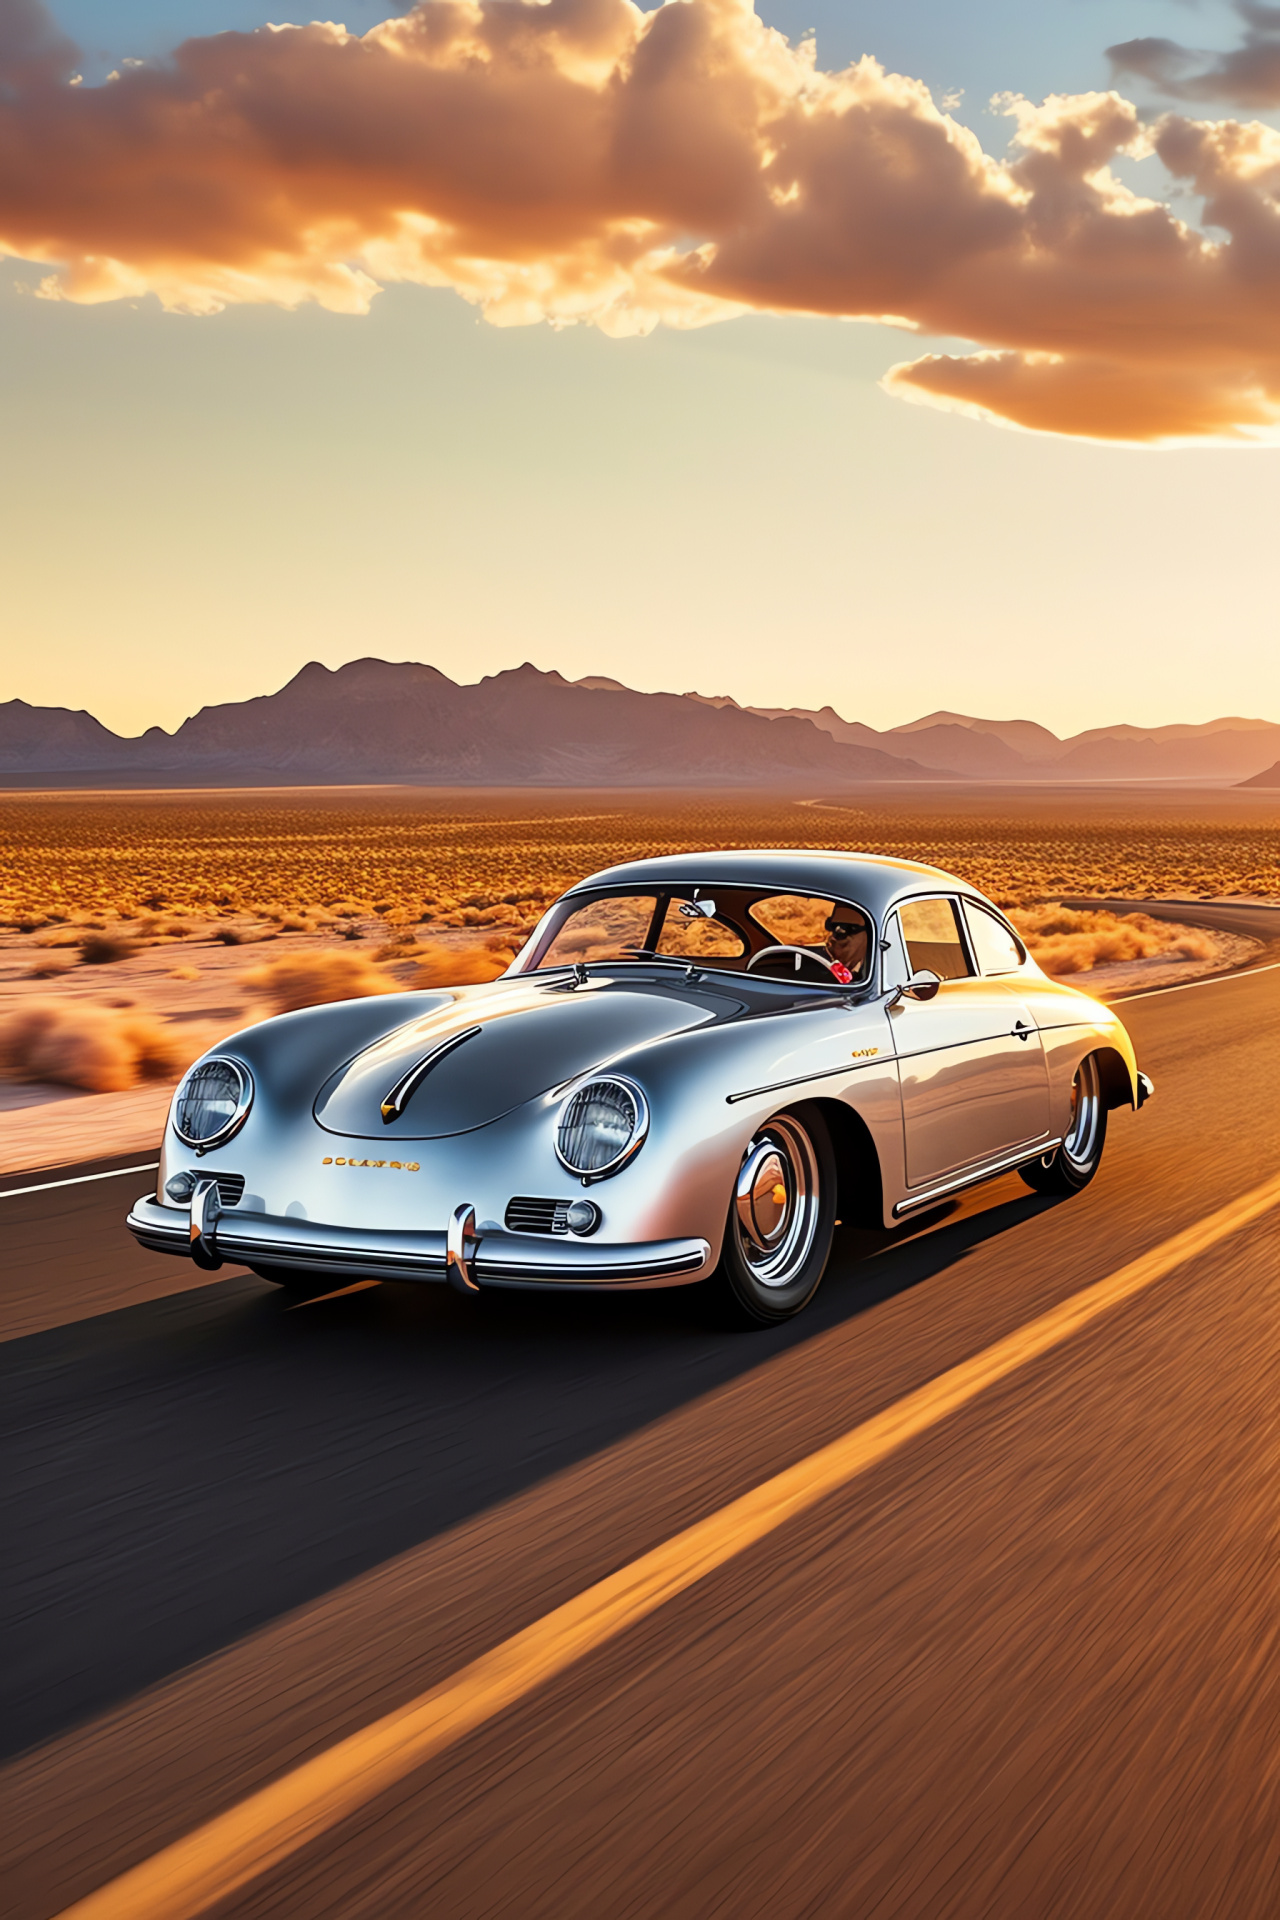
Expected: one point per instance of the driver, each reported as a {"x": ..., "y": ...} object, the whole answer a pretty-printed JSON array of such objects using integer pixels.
[{"x": 848, "y": 937}]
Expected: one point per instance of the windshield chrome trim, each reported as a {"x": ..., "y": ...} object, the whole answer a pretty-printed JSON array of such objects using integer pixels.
[{"x": 579, "y": 895}]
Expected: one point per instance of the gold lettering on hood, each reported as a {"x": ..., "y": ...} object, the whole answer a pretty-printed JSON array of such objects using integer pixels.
[{"x": 392, "y": 1166}]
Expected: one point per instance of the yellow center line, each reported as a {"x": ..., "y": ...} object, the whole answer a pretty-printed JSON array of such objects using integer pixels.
[
  {"x": 235, "y": 1847},
  {"x": 357, "y": 1286}
]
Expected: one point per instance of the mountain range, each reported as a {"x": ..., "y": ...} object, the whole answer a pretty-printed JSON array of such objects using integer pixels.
[
  {"x": 375, "y": 720},
  {"x": 1227, "y": 750}
]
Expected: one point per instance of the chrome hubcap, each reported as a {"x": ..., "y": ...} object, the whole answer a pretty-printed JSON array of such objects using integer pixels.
[
  {"x": 1086, "y": 1114},
  {"x": 776, "y": 1203}
]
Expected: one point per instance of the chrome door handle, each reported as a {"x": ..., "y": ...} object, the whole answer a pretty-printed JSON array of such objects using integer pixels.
[{"x": 1023, "y": 1031}]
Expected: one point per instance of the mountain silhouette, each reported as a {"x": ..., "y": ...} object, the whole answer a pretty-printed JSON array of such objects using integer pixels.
[
  {"x": 1269, "y": 777},
  {"x": 373, "y": 720},
  {"x": 377, "y": 720}
]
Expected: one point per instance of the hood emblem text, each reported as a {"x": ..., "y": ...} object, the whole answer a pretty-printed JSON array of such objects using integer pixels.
[{"x": 396, "y": 1166}]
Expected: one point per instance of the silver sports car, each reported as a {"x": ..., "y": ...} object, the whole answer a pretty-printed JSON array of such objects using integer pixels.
[{"x": 694, "y": 1070}]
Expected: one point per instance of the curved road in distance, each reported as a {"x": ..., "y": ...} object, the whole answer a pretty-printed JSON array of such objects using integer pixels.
[{"x": 1025, "y": 1666}]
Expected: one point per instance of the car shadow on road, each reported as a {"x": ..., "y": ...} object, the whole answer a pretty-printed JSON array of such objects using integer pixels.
[{"x": 183, "y": 1471}]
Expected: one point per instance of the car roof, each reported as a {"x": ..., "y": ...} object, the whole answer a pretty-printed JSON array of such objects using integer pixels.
[{"x": 863, "y": 879}]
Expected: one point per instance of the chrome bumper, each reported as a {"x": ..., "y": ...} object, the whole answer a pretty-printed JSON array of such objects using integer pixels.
[{"x": 499, "y": 1258}]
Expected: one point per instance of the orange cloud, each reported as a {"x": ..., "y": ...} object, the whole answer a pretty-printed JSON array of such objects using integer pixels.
[{"x": 579, "y": 160}]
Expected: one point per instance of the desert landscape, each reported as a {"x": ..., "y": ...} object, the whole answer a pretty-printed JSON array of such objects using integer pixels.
[
  {"x": 138, "y": 927},
  {"x": 770, "y": 1413}
]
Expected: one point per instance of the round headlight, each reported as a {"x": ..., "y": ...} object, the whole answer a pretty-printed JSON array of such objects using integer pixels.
[
  {"x": 212, "y": 1102},
  {"x": 601, "y": 1126}
]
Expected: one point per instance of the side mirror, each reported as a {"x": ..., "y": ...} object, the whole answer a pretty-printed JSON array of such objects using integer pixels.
[{"x": 922, "y": 985}]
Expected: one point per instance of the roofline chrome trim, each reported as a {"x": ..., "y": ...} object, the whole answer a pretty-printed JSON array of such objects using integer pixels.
[{"x": 973, "y": 1175}]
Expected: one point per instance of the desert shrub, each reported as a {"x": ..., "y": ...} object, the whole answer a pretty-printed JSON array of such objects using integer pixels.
[
  {"x": 1074, "y": 940},
  {"x": 402, "y": 944},
  {"x": 442, "y": 966},
  {"x": 314, "y": 979},
  {"x": 150, "y": 927},
  {"x": 97, "y": 1048},
  {"x": 51, "y": 967},
  {"x": 64, "y": 937},
  {"x": 102, "y": 949},
  {"x": 118, "y": 856}
]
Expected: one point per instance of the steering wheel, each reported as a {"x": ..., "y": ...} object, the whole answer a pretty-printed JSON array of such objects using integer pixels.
[{"x": 801, "y": 953}]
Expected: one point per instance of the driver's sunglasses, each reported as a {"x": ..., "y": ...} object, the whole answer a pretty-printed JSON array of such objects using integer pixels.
[{"x": 842, "y": 929}]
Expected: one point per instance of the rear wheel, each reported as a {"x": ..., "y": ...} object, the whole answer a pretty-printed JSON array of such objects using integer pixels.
[
  {"x": 1072, "y": 1165},
  {"x": 781, "y": 1218}
]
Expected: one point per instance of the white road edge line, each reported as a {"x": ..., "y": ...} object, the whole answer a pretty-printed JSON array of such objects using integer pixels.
[
  {"x": 79, "y": 1180},
  {"x": 1185, "y": 986}
]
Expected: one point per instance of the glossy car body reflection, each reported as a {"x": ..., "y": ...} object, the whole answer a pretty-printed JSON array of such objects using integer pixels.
[{"x": 688, "y": 1005}]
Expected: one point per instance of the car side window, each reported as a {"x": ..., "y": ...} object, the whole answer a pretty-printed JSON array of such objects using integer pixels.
[
  {"x": 931, "y": 929},
  {"x": 826, "y": 927},
  {"x": 996, "y": 947}
]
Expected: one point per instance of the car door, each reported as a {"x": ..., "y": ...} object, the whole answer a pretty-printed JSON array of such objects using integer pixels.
[{"x": 970, "y": 1063}]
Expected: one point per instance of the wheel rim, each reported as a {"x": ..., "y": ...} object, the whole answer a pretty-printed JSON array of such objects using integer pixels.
[
  {"x": 1086, "y": 1115},
  {"x": 776, "y": 1203}
]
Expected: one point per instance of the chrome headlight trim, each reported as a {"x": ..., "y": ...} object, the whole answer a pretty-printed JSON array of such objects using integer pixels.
[
  {"x": 236, "y": 1119},
  {"x": 567, "y": 1121}
]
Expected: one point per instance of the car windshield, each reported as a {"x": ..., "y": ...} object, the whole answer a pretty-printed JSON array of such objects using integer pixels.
[{"x": 811, "y": 938}]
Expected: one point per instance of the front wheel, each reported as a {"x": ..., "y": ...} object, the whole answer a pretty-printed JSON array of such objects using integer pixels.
[
  {"x": 1072, "y": 1165},
  {"x": 781, "y": 1218}
]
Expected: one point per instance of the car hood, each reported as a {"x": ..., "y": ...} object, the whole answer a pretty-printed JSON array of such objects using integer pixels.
[{"x": 510, "y": 1043}]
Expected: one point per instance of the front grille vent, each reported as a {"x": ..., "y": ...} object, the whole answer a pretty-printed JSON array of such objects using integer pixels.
[
  {"x": 526, "y": 1214},
  {"x": 230, "y": 1188}
]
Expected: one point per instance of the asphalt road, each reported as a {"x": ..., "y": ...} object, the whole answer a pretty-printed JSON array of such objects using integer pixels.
[{"x": 1026, "y": 1666}]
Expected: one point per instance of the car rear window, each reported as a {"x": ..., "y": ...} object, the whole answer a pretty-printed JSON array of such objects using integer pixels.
[
  {"x": 931, "y": 929},
  {"x": 996, "y": 948}
]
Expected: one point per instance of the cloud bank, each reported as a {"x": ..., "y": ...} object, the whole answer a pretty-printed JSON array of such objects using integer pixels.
[
  {"x": 1248, "y": 76},
  {"x": 579, "y": 160}
]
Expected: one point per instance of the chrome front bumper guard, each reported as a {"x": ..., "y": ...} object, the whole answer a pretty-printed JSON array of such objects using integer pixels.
[{"x": 493, "y": 1258}]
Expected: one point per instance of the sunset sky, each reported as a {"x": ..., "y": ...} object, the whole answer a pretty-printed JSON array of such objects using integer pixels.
[{"x": 494, "y": 332}]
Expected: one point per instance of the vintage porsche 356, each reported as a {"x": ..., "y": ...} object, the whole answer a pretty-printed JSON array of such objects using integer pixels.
[{"x": 695, "y": 1068}]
